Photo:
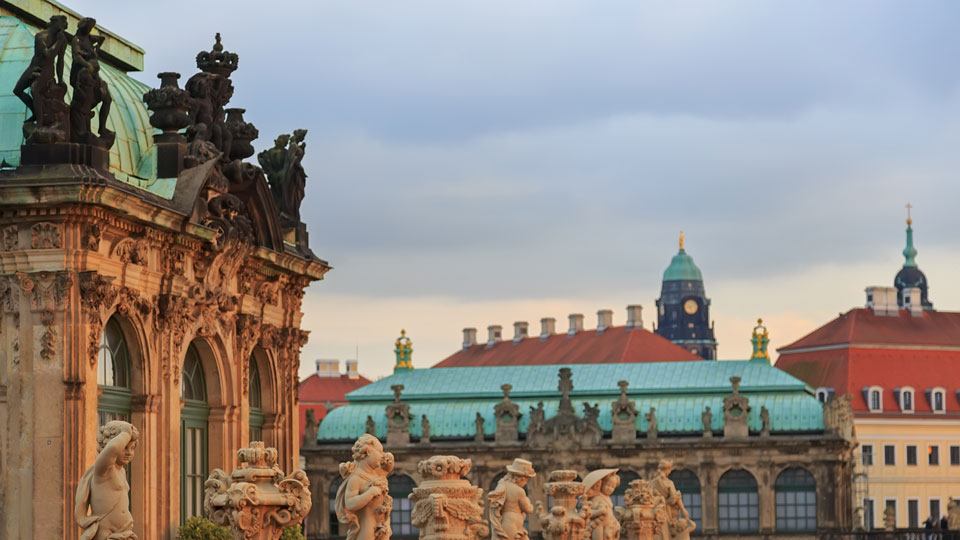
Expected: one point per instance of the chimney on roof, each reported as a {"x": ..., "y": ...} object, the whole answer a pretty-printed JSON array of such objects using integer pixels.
[
  {"x": 634, "y": 319},
  {"x": 911, "y": 301},
  {"x": 548, "y": 327},
  {"x": 469, "y": 337},
  {"x": 604, "y": 320},
  {"x": 328, "y": 368},
  {"x": 882, "y": 300},
  {"x": 495, "y": 331},
  {"x": 352, "y": 369},
  {"x": 576, "y": 324},
  {"x": 520, "y": 331}
]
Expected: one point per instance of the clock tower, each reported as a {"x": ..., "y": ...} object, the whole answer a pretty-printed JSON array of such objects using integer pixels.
[{"x": 683, "y": 309}]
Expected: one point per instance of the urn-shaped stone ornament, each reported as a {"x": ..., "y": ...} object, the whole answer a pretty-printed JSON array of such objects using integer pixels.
[
  {"x": 563, "y": 522},
  {"x": 243, "y": 134},
  {"x": 169, "y": 105},
  {"x": 446, "y": 506},
  {"x": 645, "y": 516},
  {"x": 257, "y": 501}
]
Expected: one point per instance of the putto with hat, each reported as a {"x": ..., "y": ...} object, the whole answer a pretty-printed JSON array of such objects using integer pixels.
[{"x": 521, "y": 467}]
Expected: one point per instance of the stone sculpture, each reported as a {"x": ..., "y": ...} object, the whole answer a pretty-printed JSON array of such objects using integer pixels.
[
  {"x": 598, "y": 486},
  {"x": 651, "y": 424},
  {"x": 371, "y": 426},
  {"x": 311, "y": 428},
  {"x": 103, "y": 488},
  {"x": 624, "y": 417},
  {"x": 838, "y": 416},
  {"x": 707, "y": 418},
  {"x": 211, "y": 90},
  {"x": 363, "y": 503},
  {"x": 953, "y": 515},
  {"x": 424, "y": 430},
  {"x": 765, "y": 419},
  {"x": 256, "y": 500},
  {"x": 478, "y": 423},
  {"x": 398, "y": 418},
  {"x": 283, "y": 166},
  {"x": 537, "y": 419},
  {"x": 889, "y": 518},
  {"x": 736, "y": 408},
  {"x": 509, "y": 504},
  {"x": 644, "y": 517},
  {"x": 563, "y": 522},
  {"x": 677, "y": 516},
  {"x": 48, "y": 121},
  {"x": 508, "y": 415},
  {"x": 89, "y": 89},
  {"x": 445, "y": 505},
  {"x": 566, "y": 430}
]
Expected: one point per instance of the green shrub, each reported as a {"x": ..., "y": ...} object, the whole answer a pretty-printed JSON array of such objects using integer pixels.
[
  {"x": 201, "y": 528},
  {"x": 292, "y": 533}
]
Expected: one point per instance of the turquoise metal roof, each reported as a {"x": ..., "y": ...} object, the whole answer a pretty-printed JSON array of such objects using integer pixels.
[
  {"x": 682, "y": 268},
  {"x": 133, "y": 156},
  {"x": 678, "y": 390}
]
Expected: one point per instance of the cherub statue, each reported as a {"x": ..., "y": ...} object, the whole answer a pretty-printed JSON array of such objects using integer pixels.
[
  {"x": 599, "y": 486},
  {"x": 363, "y": 502},
  {"x": 509, "y": 504},
  {"x": 104, "y": 488}
]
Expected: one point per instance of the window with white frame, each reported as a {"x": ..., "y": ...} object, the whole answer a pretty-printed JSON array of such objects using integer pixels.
[
  {"x": 906, "y": 399},
  {"x": 875, "y": 399},
  {"x": 866, "y": 454},
  {"x": 938, "y": 399},
  {"x": 889, "y": 454}
]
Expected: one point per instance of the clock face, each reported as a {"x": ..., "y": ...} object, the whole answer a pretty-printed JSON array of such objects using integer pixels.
[{"x": 690, "y": 306}]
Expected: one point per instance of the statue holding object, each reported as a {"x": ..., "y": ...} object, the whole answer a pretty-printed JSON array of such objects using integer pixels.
[
  {"x": 283, "y": 167},
  {"x": 599, "y": 486},
  {"x": 363, "y": 502},
  {"x": 104, "y": 489},
  {"x": 48, "y": 121},
  {"x": 89, "y": 89},
  {"x": 509, "y": 504}
]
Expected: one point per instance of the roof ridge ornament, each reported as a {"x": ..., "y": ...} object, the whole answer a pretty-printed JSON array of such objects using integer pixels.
[
  {"x": 217, "y": 60},
  {"x": 404, "y": 353},
  {"x": 909, "y": 252},
  {"x": 760, "y": 340},
  {"x": 681, "y": 240}
]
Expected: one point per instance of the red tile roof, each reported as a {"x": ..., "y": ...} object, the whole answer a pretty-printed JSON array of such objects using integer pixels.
[
  {"x": 859, "y": 349},
  {"x": 317, "y": 392},
  {"x": 614, "y": 345}
]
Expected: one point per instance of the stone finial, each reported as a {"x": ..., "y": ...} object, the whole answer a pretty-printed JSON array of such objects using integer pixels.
[
  {"x": 104, "y": 484},
  {"x": 365, "y": 478},
  {"x": 563, "y": 522},
  {"x": 397, "y": 392},
  {"x": 760, "y": 339},
  {"x": 507, "y": 414},
  {"x": 623, "y": 387},
  {"x": 736, "y": 408},
  {"x": 256, "y": 501},
  {"x": 398, "y": 418},
  {"x": 624, "y": 417},
  {"x": 735, "y": 381},
  {"x": 506, "y": 391},
  {"x": 403, "y": 351},
  {"x": 445, "y": 505}
]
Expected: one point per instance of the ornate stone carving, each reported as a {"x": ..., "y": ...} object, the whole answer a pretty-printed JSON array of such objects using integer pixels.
[
  {"x": 566, "y": 430},
  {"x": 706, "y": 417},
  {"x": 45, "y": 236},
  {"x": 509, "y": 504},
  {"x": 11, "y": 237},
  {"x": 90, "y": 237},
  {"x": 644, "y": 517},
  {"x": 211, "y": 90},
  {"x": 284, "y": 171},
  {"x": 446, "y": 506},
  {"x": 508, "y": 415},
  {"x": 652, "y": 428},
  {"x": 953, "y": 515},
  {"x": 678, "y": 520},
  {"x": 48, "y": 121},
  {"x": 424, "y": 430},
  {"x": 624, "y": 417},
  {"x": 48, "y": 291},
  {"x": 268, "y": 292},
  {"x": 89, "y": 89},
  {"x": 103, "y": 488},
  {"x": 9, "y": 296},
  {"x": 242, "y": 134},
  {"x": 132, "y": 251},
  {"x": 310, "y": 429},
  {"x": 174, "y": 261},
  {"x": 563, "y": 522},
  {"x": 838, "y": 416},
  {"x": 96, "y": 292},
  {"x": 765, "y": 421},
  {"x": 537, "y": 423},
  {"x": 478, "y": 424},
  {"x": 169, "y": 105},
  {"x": 257, "y": 501},
  {"x": 598, "y": 486},
  {"x": 398, "y": 418},
  {"x": 736, "y": 408},
  {"x": 363, "y": 503}
]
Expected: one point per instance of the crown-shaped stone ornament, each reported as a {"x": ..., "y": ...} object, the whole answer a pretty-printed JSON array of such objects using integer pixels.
[{"x": 218, "y": 61}]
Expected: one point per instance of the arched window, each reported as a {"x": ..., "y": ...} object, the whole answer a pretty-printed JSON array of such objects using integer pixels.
[
  {"x": 688, "y": 485},
  {"x": 618, "y": 496},
  {"x": 738, "y": 502},
  {"x": 400, "y": 487},
  {"x": 256, "y": 402},
  {"x": 113, "y": 375},
  {"x": 194, "y": 416},
  {"x": 332, "y": 494},
  {"x": 796, "y": 501}
]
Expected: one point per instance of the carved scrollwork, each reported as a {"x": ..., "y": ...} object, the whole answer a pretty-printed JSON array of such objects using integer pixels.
[
  {"x": 132, "y": 251},
  {"x": 46, "y": 236},
  {"x": 90, "y": 238},
  {"x": 96, "y": 293},
  {"x": 11, "y": 238}
]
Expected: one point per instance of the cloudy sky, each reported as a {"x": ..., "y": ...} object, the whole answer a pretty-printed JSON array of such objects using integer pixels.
[{"x": 476, "y": 163}]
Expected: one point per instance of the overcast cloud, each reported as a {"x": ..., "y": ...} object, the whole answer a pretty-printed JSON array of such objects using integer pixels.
[{"x": 477, "y": 163}]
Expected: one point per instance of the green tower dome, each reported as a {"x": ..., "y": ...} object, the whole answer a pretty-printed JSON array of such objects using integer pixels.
[{"x": 682, "y": 267}]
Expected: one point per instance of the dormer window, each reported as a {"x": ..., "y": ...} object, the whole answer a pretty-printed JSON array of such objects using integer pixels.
[
  {"x": 874, "y": 398},
  {"x": 937, "y": 397},
  {"x": 824, "y": 394},
  {"x": 905, "y": 397}
]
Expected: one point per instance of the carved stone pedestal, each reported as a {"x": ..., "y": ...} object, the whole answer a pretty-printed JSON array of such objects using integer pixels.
[
  {"x": 645, "y": 514},
  {"x": 563, "y": 522},
  {"x": 256, "y": 501},
  {"x": 447, "y": 507}
]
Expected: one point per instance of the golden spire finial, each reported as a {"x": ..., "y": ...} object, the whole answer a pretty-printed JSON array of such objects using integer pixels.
[
  {"x": 909, "y": 221},
  {"x": 403, "y": 332},
  {"x": 681, "y": 240}
]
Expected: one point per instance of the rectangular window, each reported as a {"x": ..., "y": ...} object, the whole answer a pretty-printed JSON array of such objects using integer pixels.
[
  {"x": 955, "y": 455},
  {"x": 891, "y": 503},
  {"x": 868, "y": 522},
  {"x": 911, "y": 454},
  {"x": 866, "y": 454},
  {"x": 933, "y": 455},
  {"x": 913, "y": 513},
  {"x": 938, "y": 401},
  {"x": 889, "y": 454},
  {"x": 874, "y": 400},
  {"x": 907, "y": 401},
  {"x": 935, "y": 508}
]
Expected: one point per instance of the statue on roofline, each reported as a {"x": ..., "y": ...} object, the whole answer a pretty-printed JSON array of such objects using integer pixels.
[
  {"x": 49, "y": 120},
  {"x": 283, "y": 167},
  {"x": 89, "y": 89}
]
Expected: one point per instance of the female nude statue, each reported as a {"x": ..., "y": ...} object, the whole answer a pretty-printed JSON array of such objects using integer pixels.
[
  {"x": 104, "y": 488},
  {"x": 363, "y": 503},
  {"x": 509, "y": 504}
]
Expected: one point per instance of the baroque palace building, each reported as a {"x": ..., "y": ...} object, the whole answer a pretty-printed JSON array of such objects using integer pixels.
[
  {"x": 147, "y": 273},
  {"x": 756, "y": 454},
  {"x": 899, "y": 361}
]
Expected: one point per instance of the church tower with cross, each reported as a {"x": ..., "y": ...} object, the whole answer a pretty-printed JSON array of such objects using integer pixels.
[
  {"x": 683, "y": 309},
  {"x": 910, "y": 276}
]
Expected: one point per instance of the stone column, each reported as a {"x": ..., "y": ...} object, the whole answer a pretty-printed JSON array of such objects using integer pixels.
[
  {"x": 708, "y": 497},
  {"x": 765, "y": 496}
]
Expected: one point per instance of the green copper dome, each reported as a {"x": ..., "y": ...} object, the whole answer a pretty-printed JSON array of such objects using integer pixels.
[
  {"x": 133, "y": 155},
  {"x": 682, "y": 268}
]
